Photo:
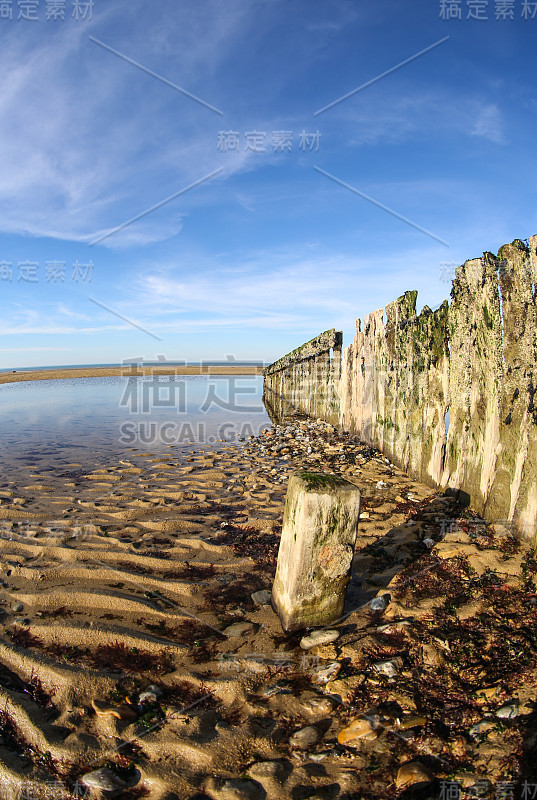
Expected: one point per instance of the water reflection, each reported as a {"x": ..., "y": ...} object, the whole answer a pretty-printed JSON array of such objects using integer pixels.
[{"x": 53, "y": 423}]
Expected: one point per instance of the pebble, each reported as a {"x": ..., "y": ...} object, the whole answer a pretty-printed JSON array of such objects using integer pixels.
[
  {"x": 150, "y": 695},
  {"x": 262, "y": 597},
  {"x": 318, "y": 638},
  {"x": 280, "y": 687},
  {"x": 508, "y": 711},
  {"x": 325, "y": 674},
  {"x": 389, "y": 668},
  {"x": 378, "y": 604},
  {"x": 238, "y": 629},
  {"x": 234, "y": 789},
  {"x": 318, "y": 706},
  {"x": 412, "y": 721},
  {"x": 412, "y": 772},
  {"x": 225, "y": 579},
  {"x": 480, "y": 728},
  {"x": 17, "y": 607},
  {"x": 103, "y": 779},
  {"x": 305, "y": 737},
  {"x": 360, "y": 728},
  {"x": 267, "y": 769},
  {"x": 319, "y": 756}
]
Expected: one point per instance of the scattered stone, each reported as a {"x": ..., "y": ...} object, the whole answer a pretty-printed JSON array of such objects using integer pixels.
[
  {"x": 412, "y": 721},
  {"x": 508, "y": 711},
  {"x": 280, "y": 687},
  {"x": 234, "y": 789},
  {"x": 305, "y": 737},
  {"x": 412, "y": 772},
  {"x": 378, "y": 604},
  {"x": 430, "y": 543},
  {"x": 225, "y": 579},
  {"x": 103, "y": 779},
  {"x": 389, "y": 668},
  {"x": 319, "y": 706},
  {"x": 481, "y": 728},
  {"x": 319, "y": 756},
  {"x": 239, "y": 629},
  {"x": 324, "y": 674},
  {"x": 262, "y": 597},
  {"x": 17, "y": 607},
  {"x": 360, "y": 728},
  {"x": 318, "y": 638},
  {"x": 150, "y": 695},
  {"x": 267, "y": 769}
]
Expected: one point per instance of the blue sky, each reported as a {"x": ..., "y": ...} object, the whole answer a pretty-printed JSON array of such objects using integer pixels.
[{"x": 269, "y": 251}]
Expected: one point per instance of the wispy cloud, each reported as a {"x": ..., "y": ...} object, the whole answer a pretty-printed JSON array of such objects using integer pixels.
[{"x": 488, "y": 124}]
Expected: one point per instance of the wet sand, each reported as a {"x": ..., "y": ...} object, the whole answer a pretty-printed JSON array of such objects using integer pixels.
[
  {"x": 118, "y": 660},
  {"x": 107, "y": 372}
]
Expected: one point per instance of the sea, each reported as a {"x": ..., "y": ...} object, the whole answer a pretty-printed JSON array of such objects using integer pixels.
[{"x": 93, "y": 422}]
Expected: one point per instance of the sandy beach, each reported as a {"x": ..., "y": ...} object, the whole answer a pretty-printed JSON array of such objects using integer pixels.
[
  {"x": 107, "y": 372},
  {"x": 138, "y": 658}
]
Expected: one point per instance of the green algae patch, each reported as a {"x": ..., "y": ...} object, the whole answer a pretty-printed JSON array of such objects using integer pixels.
[{"x": 317, "y": 480}]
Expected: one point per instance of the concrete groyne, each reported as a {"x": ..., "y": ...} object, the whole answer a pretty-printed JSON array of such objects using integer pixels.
[{"x": 447, "y": 395}]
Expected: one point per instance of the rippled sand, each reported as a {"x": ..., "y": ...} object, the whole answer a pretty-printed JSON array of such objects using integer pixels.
[{"x": 121, "y": 581}]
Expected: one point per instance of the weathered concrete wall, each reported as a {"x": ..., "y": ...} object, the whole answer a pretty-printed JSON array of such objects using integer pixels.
[
  {"x": 475, "y": 357},
  {"x": 308, "y": 377}
]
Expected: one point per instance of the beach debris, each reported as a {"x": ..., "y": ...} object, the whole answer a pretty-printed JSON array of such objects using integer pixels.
[
  {"x": 225, "y": 579},
  {"x": 105, "y": 780},
  {"x": 481, "y": 728},
  {"x": 262, "y": 597},
  {"x": 412, "y": 772},
  {"x": 234, "y": 789},
  {"x": 378, "y": 603},
  {"x": 508, "y": 711},
  {"x": 123, "y": 711},
  {"x": 316, "y": 549},
  {"x": 239, "y": 629},
  {"x": 360, "y": 728},
  {"x": 411, "y": 721},
  {"x": 317, "y": 757},
  {"x": 389, "y": 668},
  {"x": 324, "y": 674},
  {"x": 318, "y": 706},
  {"x": 305, "y": 737},
  {"x": 318, "y": 638},
  {"x": 280, "y": 687},
  {"x": 267, "y": 769},
  {"x": 150, "y": 695}
]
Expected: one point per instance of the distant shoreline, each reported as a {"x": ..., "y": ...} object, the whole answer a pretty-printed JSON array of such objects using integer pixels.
[{"x": 127, "y": 371}]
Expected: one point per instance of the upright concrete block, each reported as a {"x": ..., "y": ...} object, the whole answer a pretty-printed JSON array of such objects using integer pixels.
[{"x": 320, "y": 524}]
